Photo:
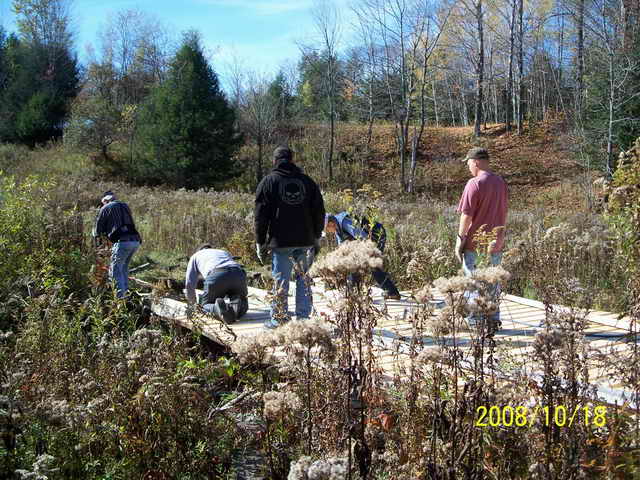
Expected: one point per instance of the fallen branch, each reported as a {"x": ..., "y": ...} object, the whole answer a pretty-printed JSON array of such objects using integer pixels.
[
  {"x": 231, "y": 403},
  {"x": 139, "y": 267}
]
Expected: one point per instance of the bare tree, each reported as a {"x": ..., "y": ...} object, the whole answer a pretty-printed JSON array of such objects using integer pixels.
[
  {"x": 519, "y": 84},
  {"x": 431, "y": 25},
  {"x": 235, "y": 74},
  {"x": 401, "y": 38},
  {"x": 512, "y": 42},
  {"x": 370, "y": 70},
  {"x": 138, "y": 46},
  {"x": 258, "y": 114},
  {"x": 474, "y": 8},
  {"x": 579, "y": 19},
  {"x": 325, "y": 16},
  {"x": 604, "y": 22}
]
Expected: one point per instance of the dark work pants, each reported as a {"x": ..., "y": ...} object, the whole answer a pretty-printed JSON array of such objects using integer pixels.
[
  {"x": 227, "y": 282},
  {"x": 381, "y": 277}
]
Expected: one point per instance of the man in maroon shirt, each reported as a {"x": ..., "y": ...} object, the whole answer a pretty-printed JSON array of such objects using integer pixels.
[{"x": 483, "y": 205}]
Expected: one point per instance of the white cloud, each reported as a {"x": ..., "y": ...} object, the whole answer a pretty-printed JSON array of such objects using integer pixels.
[
  {"x": 254, "y": 56},
  {"x": 263, "y": 7}
]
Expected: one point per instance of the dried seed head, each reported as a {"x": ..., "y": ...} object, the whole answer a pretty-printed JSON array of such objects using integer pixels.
[
  {"x": 358, "y": 256},
  {"x": 278, "y": 405},
  {"x": 455, "y": 284}
]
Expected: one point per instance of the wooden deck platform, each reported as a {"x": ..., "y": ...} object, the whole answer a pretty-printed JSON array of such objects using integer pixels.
[{"x": 521, "y": 319}]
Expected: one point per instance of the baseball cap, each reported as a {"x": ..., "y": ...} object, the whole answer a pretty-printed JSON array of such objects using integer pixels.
[
  {"x": 478, "y": 153},
  {"x": 108, "y": 196}
]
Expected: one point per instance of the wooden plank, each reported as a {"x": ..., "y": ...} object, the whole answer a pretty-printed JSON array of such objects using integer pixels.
[
  {"x": 604, "y": 318},
  {"x": 521, "y": 319}
]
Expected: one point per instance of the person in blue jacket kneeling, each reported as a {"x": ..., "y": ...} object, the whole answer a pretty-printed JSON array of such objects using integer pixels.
[{"x": 343, "y": 227}]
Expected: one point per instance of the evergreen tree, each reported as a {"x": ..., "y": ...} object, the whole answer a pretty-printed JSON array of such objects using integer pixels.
[
  {"x": 40, "y": 74},
  {"x": 3, "y": 63},
  {"x": 312, "y": 95},
  {"x": 187, "y": 136},
  {"x": 281, "y": 97}
]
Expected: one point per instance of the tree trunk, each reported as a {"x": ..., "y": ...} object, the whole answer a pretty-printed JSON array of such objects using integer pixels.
[
  {"x": 519, "y": 106},
  {"x": 465, "y": 108},
  {"x": 609, "y": 164},
  {"x": 451, "y": 105},
  {"x": 332, "y": 130},
  {"x": 580, "y": 58},
  {"x": 479, "y": 71},
  {"x": 332, "y": 114},
  {"x": 370, "y": 126},
  {"x": 560, "y": 58},
  {"x": 512, "y": 38},
  {"x": 435, "y": 102},
  {"x": 402, "y": 151},
  {"x": 414, "y": 161},
  {"x": 493, "y": 87},
  {"x": 259, "y": 165},
  {"x": 418, "y": 132}
]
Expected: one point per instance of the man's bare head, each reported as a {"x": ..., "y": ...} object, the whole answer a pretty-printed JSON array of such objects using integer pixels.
[{"x": 330, "y": 223}]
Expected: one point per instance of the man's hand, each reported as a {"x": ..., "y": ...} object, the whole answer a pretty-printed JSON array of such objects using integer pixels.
[
  {"x": 261, "y": 252},
  {"x": 316, "y": 247},
  {"x": 459, "y": 250}
]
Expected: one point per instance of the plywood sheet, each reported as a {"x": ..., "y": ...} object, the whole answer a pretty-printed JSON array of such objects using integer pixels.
[{"x": 521, "y": 320}]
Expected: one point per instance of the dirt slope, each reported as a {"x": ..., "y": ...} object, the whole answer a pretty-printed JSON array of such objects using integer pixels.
[{"x": 538, "y": 165}]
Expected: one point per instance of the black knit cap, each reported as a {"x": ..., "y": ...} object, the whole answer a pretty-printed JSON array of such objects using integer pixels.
[{"x": 282, "y": 153}]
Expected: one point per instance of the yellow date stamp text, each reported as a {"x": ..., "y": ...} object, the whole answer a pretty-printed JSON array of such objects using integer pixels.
[{"x": 522, "y": 416}]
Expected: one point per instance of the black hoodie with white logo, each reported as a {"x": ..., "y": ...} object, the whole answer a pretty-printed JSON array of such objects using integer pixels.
[{"x": 289, "y": 210}]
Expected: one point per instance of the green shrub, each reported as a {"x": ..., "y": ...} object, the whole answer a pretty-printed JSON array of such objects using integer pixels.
[
  {"x": 42, "y": 245},
  {"x": 624, "y": 218}
]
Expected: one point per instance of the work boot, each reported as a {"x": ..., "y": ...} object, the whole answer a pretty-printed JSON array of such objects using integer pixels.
[
  {"x": 238, "y": 305},
  {"x": 391, "y": 296},
  {"x": 223, "y": 312}
]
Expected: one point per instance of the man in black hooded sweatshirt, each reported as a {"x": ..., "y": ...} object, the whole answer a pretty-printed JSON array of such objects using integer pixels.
[{"x": 289, "y": 219}]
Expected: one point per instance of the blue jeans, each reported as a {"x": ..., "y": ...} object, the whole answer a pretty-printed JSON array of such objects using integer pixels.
[
  {"x": 468, "y": 266},
  {"x": 121, "y": 254},
  {"x": 282, "y": 263}
]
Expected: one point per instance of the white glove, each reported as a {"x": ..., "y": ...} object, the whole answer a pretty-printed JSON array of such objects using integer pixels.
[
  {"x": 261, "y": 252},
  {"x": 459, "y": 250}
]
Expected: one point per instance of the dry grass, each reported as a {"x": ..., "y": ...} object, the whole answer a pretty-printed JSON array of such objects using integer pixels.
[{"x": 324, "y": 410}]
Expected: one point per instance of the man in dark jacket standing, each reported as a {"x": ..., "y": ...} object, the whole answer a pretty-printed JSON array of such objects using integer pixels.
[
  {"x": 289, "y": 219},
  {"x": 116, "y": 223}
]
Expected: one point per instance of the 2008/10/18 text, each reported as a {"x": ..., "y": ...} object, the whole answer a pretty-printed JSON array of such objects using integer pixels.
[{"x": 522, "y": 416}]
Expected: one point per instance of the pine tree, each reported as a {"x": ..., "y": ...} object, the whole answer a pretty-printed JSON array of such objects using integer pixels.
[
  {"x": 40, "y": 73},
  {"x": 187, "y": 136}
]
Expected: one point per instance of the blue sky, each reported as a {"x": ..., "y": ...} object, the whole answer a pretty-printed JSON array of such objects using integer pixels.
[{"x": 263, "y": 34}]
